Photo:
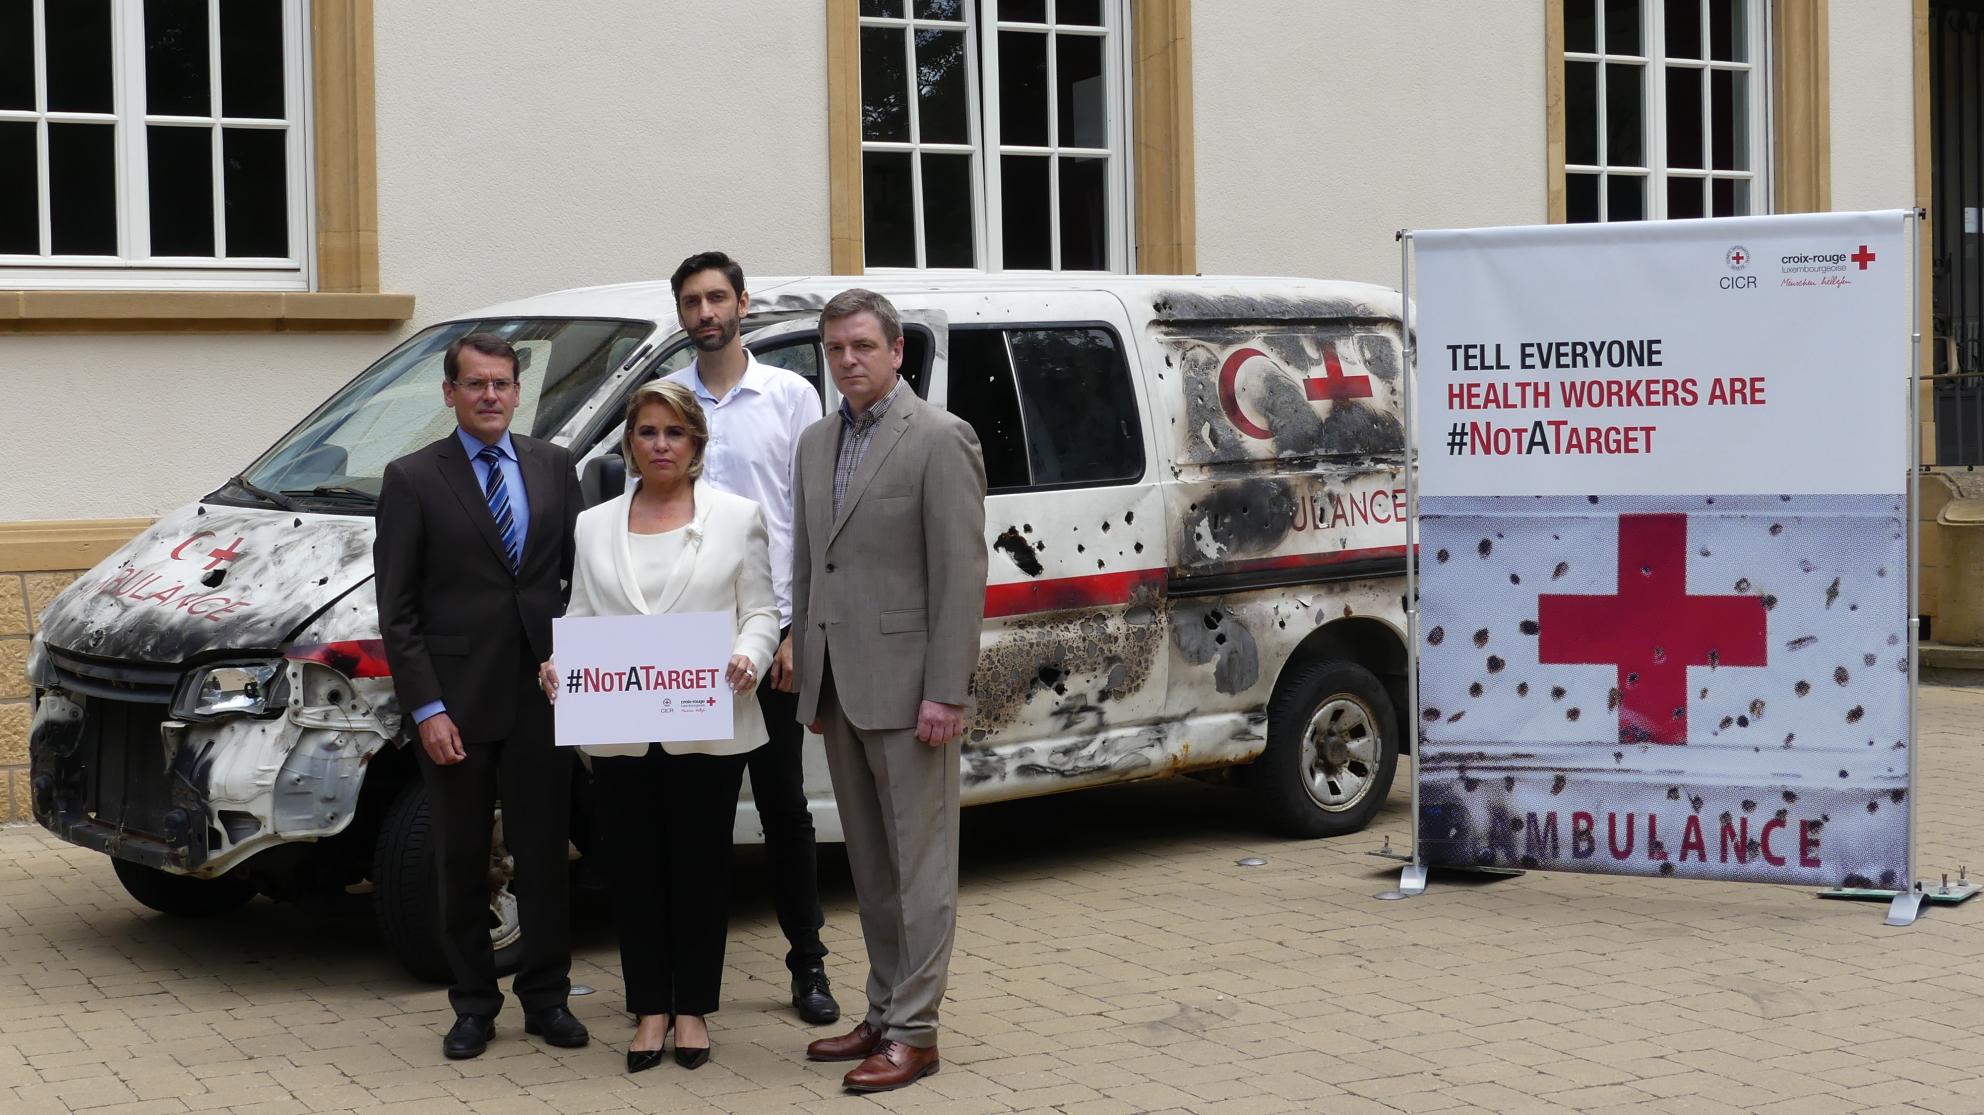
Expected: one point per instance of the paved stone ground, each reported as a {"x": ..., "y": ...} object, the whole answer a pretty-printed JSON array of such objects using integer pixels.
[{"x": 1111, "y": 958}]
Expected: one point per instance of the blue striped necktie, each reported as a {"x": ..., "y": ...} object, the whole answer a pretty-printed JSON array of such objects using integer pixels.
[{"x": 498, "y": 494}]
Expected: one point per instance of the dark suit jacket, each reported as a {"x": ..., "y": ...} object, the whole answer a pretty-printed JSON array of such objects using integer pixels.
[{"x": 453, "y": 616}]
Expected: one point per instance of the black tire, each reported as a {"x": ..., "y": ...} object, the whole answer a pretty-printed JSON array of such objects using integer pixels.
[
  {"x": 1337, "y": 786},
  {"x": 405, "y": 898},
  {"x": 182, "y": 895}
]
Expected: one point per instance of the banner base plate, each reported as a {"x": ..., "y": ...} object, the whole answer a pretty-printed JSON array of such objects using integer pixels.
[
  {"x": 1411, "y": 883},
  {"x": 1905, "y": 905}
]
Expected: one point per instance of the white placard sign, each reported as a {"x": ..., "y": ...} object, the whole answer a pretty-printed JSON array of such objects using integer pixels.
[
  {"x": 643, "y": 679},
  {"x": 1663, "y": 549}
]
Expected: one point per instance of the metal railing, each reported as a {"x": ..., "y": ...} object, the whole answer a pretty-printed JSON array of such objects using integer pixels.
[{"x": 1955, "y": 405}]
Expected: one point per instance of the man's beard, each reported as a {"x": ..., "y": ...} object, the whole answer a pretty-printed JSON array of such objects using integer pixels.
[{"x": 726, "y": 332}]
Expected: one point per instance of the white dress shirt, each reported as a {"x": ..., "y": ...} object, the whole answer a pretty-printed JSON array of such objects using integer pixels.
[{"x": 754, "y": 442}]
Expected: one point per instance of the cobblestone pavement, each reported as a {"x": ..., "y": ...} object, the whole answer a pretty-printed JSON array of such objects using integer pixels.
[{"x": 1112, "y": 957}]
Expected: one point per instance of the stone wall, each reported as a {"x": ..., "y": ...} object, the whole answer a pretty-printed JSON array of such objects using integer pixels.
[{"x": 22, "y": 597}]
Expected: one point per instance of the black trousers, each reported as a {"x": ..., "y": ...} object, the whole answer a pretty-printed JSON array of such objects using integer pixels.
[
  {"x": 534, "y": 780},
  {"x": 778, "y": 787},
  {"x": 669, "y": 820}
]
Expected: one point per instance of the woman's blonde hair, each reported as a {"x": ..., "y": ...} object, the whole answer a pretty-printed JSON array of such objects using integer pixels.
[{"x": 677, "y": 398}]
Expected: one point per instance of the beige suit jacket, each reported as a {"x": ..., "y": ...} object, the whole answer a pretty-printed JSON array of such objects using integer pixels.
[
  {"x": 725, "y": 567},
  {"x": 892, "y": 590}
]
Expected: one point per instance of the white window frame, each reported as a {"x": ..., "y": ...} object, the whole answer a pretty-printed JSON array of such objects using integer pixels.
[
  {"x": 985, "y": 148},
  {"x": 1653, "y": 64},
  {"x": 130, "y": 270}
]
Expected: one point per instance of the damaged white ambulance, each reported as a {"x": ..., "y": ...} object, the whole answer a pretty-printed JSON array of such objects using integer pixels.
[{"x": 1195, "y": 529}]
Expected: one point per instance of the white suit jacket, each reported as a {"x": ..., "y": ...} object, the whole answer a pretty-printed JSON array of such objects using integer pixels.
[{"x": 725, "y": 567}]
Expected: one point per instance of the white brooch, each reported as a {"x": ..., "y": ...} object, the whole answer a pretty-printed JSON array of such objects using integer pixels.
[{"x": 695, "y": 530}]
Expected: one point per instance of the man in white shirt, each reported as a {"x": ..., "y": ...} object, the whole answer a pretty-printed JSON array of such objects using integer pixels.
[{"x": 756, "y": 413}]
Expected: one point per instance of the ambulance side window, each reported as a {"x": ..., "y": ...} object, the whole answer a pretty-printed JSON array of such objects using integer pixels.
[{"x": 1053, "y": 408}]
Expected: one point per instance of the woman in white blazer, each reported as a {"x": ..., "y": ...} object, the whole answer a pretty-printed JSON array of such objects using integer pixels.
[{"x": 673, "y": 544}]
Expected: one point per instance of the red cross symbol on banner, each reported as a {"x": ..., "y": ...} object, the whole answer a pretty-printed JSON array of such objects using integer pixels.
[
  {"x": 1863, "y": 257},
  {"x": 1331, "y": 385},
  {"x": 1652, "y": 630}
]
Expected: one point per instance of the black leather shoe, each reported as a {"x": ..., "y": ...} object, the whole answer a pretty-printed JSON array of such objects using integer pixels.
[
  {"x": 641, "y": 1060},
  {"x": 468, "y": 1037},
  {"x": 557, "y": 1026},
  {"x": 811, "y": 998},
  {"x": 692, "y": 1058}
]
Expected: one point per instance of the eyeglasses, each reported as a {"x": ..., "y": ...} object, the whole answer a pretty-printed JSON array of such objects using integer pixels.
[{"x": 478, "y": 386}]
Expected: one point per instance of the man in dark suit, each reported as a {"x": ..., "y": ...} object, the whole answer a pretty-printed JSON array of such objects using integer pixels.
[{"x": 473, "y": 560}]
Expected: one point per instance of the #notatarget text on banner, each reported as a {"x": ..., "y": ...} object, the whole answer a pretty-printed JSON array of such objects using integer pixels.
[
  {"x": 1664, "y": 563},
  {"x": 643, "y": 679}
]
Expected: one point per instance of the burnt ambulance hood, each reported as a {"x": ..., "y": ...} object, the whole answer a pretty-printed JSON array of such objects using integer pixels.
[{"x": 210, "y": 578}]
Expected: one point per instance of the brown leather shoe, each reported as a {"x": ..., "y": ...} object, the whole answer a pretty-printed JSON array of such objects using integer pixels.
[
  {"x": 855, "y": 1045},
  {"x": 892, "y": 1065}
]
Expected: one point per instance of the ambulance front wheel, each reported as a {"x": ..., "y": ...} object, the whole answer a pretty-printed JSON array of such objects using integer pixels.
[{"x": 1332, "y": 750}]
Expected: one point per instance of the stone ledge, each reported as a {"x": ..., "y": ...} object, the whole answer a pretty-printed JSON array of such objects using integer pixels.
[
  {"x": 59, "y": 545},
  {"x": 199, "y": 311},
  {"x": 1941, "y": 656}
]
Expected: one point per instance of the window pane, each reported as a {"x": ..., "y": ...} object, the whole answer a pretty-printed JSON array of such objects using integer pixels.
[
  {"x": 1024, "y": 212},
  {"x": 1625, "y": 113},
  {"x": 1081, "y": 107},
  {"x": 1580, "y": 27},
  {"x": 981, "y": 393},
  {"x": 802, "y": 358},
  {"x": 940, "y": 9},
  {"x": 888, "y": 209},
  {"x": 1728, "y": 31},
  {"x": 251, "y": 58},
  {"x": 1084, "y": 214},
  {"x": 1684, "y": 28},
  {"x": 181, "y": 161},
  {"x": 1581, "y": 113},
  {"x": 176, "y": 80},
  {"x": 254, "y": 165},
  {"x": 1023, "y": 88},
  {"x": 1080, "y": 414},
  {"x": 1580, "y": 198},
  {"x": 17, "y": 55},
  {"x": 1084, "y": 13},
  {"x": 1729, "y": 108},
  {"x": 884, "y": 86},
  {"x": 82, "y": 189},
  {"x": 1731, "y": 197},
  {"x": 1022, "y": 11},
  {"x": 940, "y": 87},
  {"x": 1684, "y": 198},
  {"x": 1622, "y": 26},
  {"x": 1625, "y": 198},
  {"x": 891, "y": 9},
  {"x": 947, "y": 211},
  {"x": 1684, "y": 117},
  {"x": 78, "y": 56},
  {"x": 20, "y": 206}
]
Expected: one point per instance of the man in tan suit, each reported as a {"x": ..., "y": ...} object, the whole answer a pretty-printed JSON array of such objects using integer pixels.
[{"x": 888, "y": 593}]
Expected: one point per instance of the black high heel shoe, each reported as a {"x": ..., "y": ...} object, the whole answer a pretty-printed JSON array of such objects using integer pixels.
[
  {"x": 641, "y": 1060},
  {"x": 690, "y": 1056}
]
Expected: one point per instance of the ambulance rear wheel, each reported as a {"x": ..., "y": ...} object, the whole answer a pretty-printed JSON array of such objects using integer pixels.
[{"x": 1332, "y": 751}]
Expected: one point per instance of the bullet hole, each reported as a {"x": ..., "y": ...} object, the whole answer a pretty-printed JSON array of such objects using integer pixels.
[
  {"x": 1714, "y": 658},
  {"x": 1776, "y": 529},
  {"x": 202, "y": 511},
  {"x": 1695, "y": 803},
  {"x": 1019, "y": 551},
  {"x": 1896, "y": 796},
  {"x": 1440, "y": 556},
  {"x": 1558, "y": 783},
  {"x": 1866, "y": 660},
  {"x": 1522, "y": 689},
  {"x": 1704, "y": 693},
  {"x": 1742, "y": 721},
  {"x": 1563, "y": 567},
  {"x": 1757, "y": 708},
  {"x": 1801, "y": 642},
  {"x": 1618, "y": 756},
  {"x": 1557, "y": 692},
  {"x": 1769, "y": 601},
  {"x": 1140, "y": 547},
  {"x": 1485, "y": 547},
  {"x": 326, "y": 580},
  {"x": 1514, "y": 580},
  {"x": 293, "y": 522},
  {"x": 1527, "y": 627},
  {"x": 1027, "y": 527},
  {"x": 1129, "y": 517},
  {"x": 1436, "y": 636},
  {"x": 1790, "y": 797},
  {"x": 1749, "y": 805},
  {"x": 1832, "y": 592},
  {"x": 1470, "y": 784},
  {"x": 1050, "y": 678},
  {"x": 1842, "y": 774},
  {"x": 1703, "y": 551},
  {"x": 1742, "y": 584},
  {"x": 1893, "y": 639},
  {"x": 1854, "y": 714},
  {"x": 1509, "y": 783},
  {"x": 1591, "y": 499},
  {"x": 1788, "y": 737},
  {"x": 1612, "y": 699},
  {"x": 1802, "y": 688},
  {"x": 1667, "y": 869},
  {"x": 1646, "y": 570},
  {"x": 213, "y": 578},
  {"x": 1495, "y": 664},
  {"x": 1098, "y": 563},
  {"x": 1455, "y": 718},
  {"x": 1839, "y": 675},
  {"x": 1726, "y": 722},
  {"x": 1572, "y": 714},
  {"x": 1901, "y": 664},
  {"x": 1474, "y": 690},
  {"x": 1481, "y": 637},
  {"x": 1430, "y": 715}
]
